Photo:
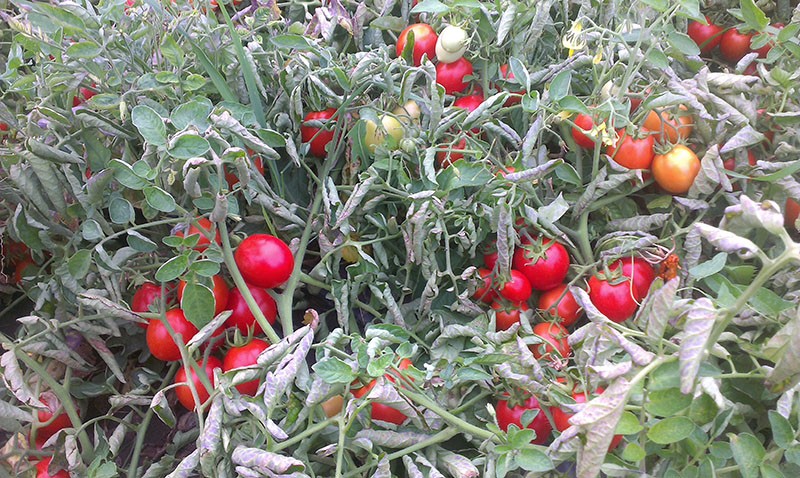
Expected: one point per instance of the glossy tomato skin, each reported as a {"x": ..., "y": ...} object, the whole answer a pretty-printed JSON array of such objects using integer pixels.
[
  {"x": 707, "y": 37},
  {"x": 244, "y": 356},
  {"x": 547, "y": 271},
  {"x": 380, "y": 411},
  {"x": 676, "y": 170},
  {"x": 735, "y": 45},
  {"x": 668, "y": 126},
  {"x": 184, "y": 392},
  {"x": 791, "y": 212},
  {"x": 615, "y": 301},
  {"x": 445, "y": 159},
  {"x": 58, "y": 421},
  {"x": 583, "y": 122},
  {"x": 485, "y": 291},
  {"x": 264, "y": 261},
  {"x": 469, "y": 103},
  {"x": 632, "y": 153},
  {"x": 204, "y": 231},
  {"x": 518, "y": 289},
  {"x": 556, "y": 341},
  {"x": 424, "y": 42},
  {"x": 561, "y": 416},
  {"x": 559, "y": 303},
  {"x": 159, "y": 340},
  {"x": 451, "y": 75},
  {"x": 220, "y": 290},
  {"x": 241, "y": 316},
  {"x": 639, "y": 271},
  {"x": 507, "y": 416},
  {"x": 147, "y": 294},
  {"x": 318, "y": 137},
  {"x": 516, "y": 96},
  {"x": 506, "y": 316},
  {"x": 42, "y": 470}
]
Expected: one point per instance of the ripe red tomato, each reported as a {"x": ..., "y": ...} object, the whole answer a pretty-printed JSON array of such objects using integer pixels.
[
  {"x": 42, "y": 470},
  {"x": 561, "y": 416},
  {"x": 669, "y": 127},
  {"x": 424, "y": 42},
  {"x": 380, "y": 411},
  {"x": 518, "y": 289},
  {"x": 161, "y": 343},
  {"x": 735, "y": 45},
  {"x": 730, "y": 163},
  {"x": 791, "y": 212},
  {"x": 244, "y": 356},
  {"x": 583, "y": 122},
  {"x": 486, "y": 292},
  {"x": 451, "y": 75},
  {"x": 24, "y": 270},
  {"x": 490, "y": 256},
  {"x": 264, "y": 261},
  {"x": 513, "y": 416},
  {"x": 707, "y": 37},
  {"x": 204, "y": 231},
  {"x": 83, "y": 95},
  {"x": 545, "y": 265},
  {"x": 220, "y": 290},
  {"x": 183, "y": 390},
  {"x": 615, "y": 301},
  {"x": 676, "y": 170},
  {"x": 469, "y": 103},
  {"x": 506, "y": 316},
  {"x": 241, "y": 316},
  {"x": 556, "y": 344},
  {"x": 54, "y": 420},
  {"x": 631, "y": 152},
  {"x": 318, "y": 137},
  {"x": 508, "y": 75},
  {"x": 233, "y": 179},
  {"x": 445, "y": 159},
  {"x": 559, "y": 303},
  {"x": 639, "y": 271},
  {"x": 3, "y": 126},
  {"x": 148, "y": 294},
  {"x": 14, "y": 252}
]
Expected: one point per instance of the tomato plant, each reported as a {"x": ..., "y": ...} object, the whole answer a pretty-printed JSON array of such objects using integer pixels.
[
  {"x": 632, "y": 152},
  {"x": 317, "y": 137},
  {"x": 517, "y": 289},
  {"x": 244, "y": 356},
  {"x": 184, "y": 387},
  {"x": 219, "y": 288},
  {"x": 707, "y": 36},
  {"x": 484, "y": 291},
  {"x": 554, "y": 344},
  {"x": 670, "y": 127},
  {"x": 264, "y": 261},
  {"x": 516, "y": 95},
  {"x": 43, "y": 470},
  {"x": 203, "y": 231},
  {"x": 543, "y": 261},
  {"x": 379, "y": 411},
  {"x": 242, "y": 317},
  {"x": 450, "y": 153},
  {"x": 561, "y": 416},
  {"x": 161, "y": 341},
  {"x": 675, "y": 171},
  {"x": 529, "y": 410},
  {"x": 583, "y": 123},
  {"x": 559, "y": 303},
  {"x": 425, "y": 39},
  {"x": 452, "y": 76},
  {"x": 51, "y": 419},
  {"x": 507, "y": 315},
  {"x": 734, "y": 45}
]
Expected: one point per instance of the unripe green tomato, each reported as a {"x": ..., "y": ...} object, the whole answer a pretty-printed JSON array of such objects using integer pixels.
[
  {"x": 391, "y": 127},
  {"x": 408, "y": 113}
]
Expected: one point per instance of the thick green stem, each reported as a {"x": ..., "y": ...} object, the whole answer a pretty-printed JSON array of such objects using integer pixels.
[{"x": 424, "y": 401}]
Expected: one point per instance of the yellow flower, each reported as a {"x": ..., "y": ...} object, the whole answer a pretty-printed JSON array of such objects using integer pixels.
[{"x": 573, "y": 40}]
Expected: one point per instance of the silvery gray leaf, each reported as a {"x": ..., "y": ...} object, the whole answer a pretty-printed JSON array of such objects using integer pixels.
[
  {"x": 727, "y": 241},
  {"x": 699, "y": 323}
]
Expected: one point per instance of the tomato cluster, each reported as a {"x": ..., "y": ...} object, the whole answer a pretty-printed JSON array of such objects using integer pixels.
[
  {"x": 733, "y": 43},
  {"x": 264, "y": 262}
]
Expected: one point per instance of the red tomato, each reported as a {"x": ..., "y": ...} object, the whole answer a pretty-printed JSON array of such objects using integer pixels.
[
  {"x": 204, "y": 231},
  {"x": 791, "y": 212},
  {"x": 233, "y": 179},
  {"x": 424, "y": 42},
  {"x": 485, "y": 292},
  {"x": 451, "y": 75},
  {"x": 446, "y": 158},
  {"x": 264, "y": 261},
  {"x": 146, "y": 295},
  {"x": 513, "y": 416},
  {"x": 3, "y": 126},
  {"x": 730, "y": 163},
  {"x": 42, "y": 470},
  {"x": 241, "y": 316},
  {"x": 244, "y": 356},
  {"x": 615, "y": 301},
  {"x": 469, "y": 103},
  {"x": 676, "y": 170},
  {"x": 735, "y": 45},
  {"x": 556, "y": 344},
  {"x": 508, "y": 75},
  {"x": 380, "y": 411},
  {"x": 517, "y": 289},
  {"x": 670, "y": 127},
  {"x": 184, "y": 391},
  {"x": 220, "y": 290},
  {"x": 14, "y": 252},
  {"x": 506, "y": 316},
  {"x": 639, "y": 271},
  {"x": 24, "y": 270},
  {"x": 490, "y": 256},
  {"x": 707, "y": 37},
  {"x": 631, "y": 152},
  {"x": 583, "y": 122},
  {"x": 159, "y": 340},
  {"x": 559, "y": 303},
  {"x": 318, "y": 137},
  {"x": 561, "y": 417},
  {"x": 544, "y": 265},
  {"x": 54, "y": 420}
]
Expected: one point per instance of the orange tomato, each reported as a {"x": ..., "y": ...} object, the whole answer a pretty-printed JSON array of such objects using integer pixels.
[
  {"x": 675, "y": 171},
  {"x": 792, "y": 211},
  {"x": 670, "y": 127}
]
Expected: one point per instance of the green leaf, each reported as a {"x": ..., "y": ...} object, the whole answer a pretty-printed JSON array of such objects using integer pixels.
[
  {"x": 378, "y": 366},
  {"x": 91, "y": 230},
  {"x": 633, "y": 453},
  {"x": 709, "y": 268},
  {"x": 771, "y": 471},
  {"x": 194, "y": 112},
  {"x": 172, "y": 51},
  {"x": 463, "y": 174},
  {"x": 120, "y": 210},
  {"x": 657, "y": 5},
  {"x": 140, "y": 243},
  {"x": 291, "y": 42},
  {"x": 84, "y": 49},
  {"x": 198, "y": 303},
  {"x": 703, "y": 410},
  {"x": 204, "y": 268},
  {"x": 573, "y": 104},
  {"x": 187, "y": 145},
  {"x": 150, "y": 125},
  {"x": 782, "y": 431},
  {"x": 670, "y": 430},
  {"x": 658, "y": 59},
  {"x": 533, "y": 459},
  {"x": 753, "y": 15},
  {"x": 333, "y": 370},
  {"x": 748, "y": 453},
  {"x": 80, "y": 263},
  {"x": 628, "y": 424},
  {"x": 430, "y": 6},
  {"x": 682, "y": 43},
  {"x": 105, "y": 101},
  {"x": 159, "y": 199},
  {"x": 193, "y": 82},
  {"x": 559, "y": 87},
  {"x": 390, "y": 23},
  {"x": 172, "y": 269},
  {"x": 167, "y": 78}
]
